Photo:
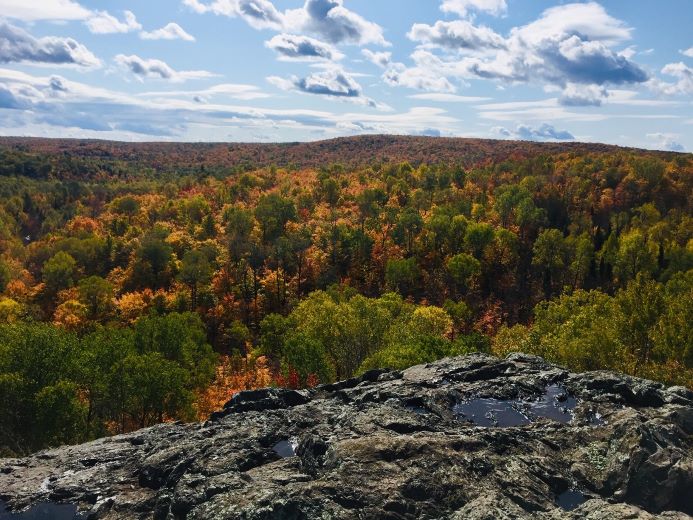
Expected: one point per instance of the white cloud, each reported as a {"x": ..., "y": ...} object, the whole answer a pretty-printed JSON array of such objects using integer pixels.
[
  {"x": 463, "y": 7},
  {"x": 687, "y": 52},
  {"x": 335, "y": 23},
  {"x": 682, "y": 72},
  {"x": 153, "y": 68},
  {"x": 171, "y": 31},
  {"x": 101, "y": 22},
  {"x": 583, "y": 95},
  {"x": 302, "y": 48},
  {"x": 35, "y": 10},
  {"x": 333, "y": 82},
  {"x": 456, "y": 35},
  {"x": 569, "y": 47},
  {"x": 60, "y": 107},
  {"x": 429, "y": 73},
  {"x": 381, "y": 59},
  {"x": 17, "y": 45},
  {"x": 666, "y": 141},
  {"x": 326, "y": 19},
  {"x": 260, "y": 14},
  {"x": 544, "y": 132}
]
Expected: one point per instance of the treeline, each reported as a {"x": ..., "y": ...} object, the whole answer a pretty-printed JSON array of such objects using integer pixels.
[{"x": 298, "y": 277}]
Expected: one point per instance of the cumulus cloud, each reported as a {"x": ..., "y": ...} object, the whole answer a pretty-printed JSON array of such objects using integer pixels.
[
  {"x": 684, "y": 75},
  {"x": 456, "y": 35},
  {"x": 583, "y": 95},
  {"x": 302, "y": 48},
  {"x": 567, "y": 46},
  {"x": 260, "y": 14},
  {"x": 326, "y": 19},
  {"x": 35, "y": 10},
  {"x": 418, "y": 78},
  {"x": 430, "y": 132},
  {"x": 332, "y": 82},
  {"x": 153, "y": 68},
  {"x": 666, "y": 141},
  {"x": 464, "y": 7},
  {"x": 687, "y": 52},
  {"x": 335, "y": 23},
  {"x": 101, "y": 22},
  {"x": 171, "y": 31},
  {"x": 10, "y": 99},
  {"x": 429, "y": 73},
  {"x": 545, "y": 132},
  {"x": 17, "y": 45},
  {"x": 381, "y": 59}
]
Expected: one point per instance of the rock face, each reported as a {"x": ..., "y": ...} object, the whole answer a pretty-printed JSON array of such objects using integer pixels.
[{"x": 472, "y": 437}]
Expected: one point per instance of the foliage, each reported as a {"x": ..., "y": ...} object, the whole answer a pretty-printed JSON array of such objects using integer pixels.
[
  {"x": 305, "y": 263},
  {"x": 644, "y": 329}
]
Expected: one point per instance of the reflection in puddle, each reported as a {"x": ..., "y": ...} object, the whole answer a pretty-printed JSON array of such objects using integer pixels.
[
  {"x": 570, "y": 499},
  {"x": 556, "y": 404},
  {"x": 43, "y": 511},
  {"x": 490, "y": 412},
  {"x": 285, "y": 448}
]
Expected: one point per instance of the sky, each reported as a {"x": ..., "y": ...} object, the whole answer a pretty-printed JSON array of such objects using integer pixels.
[{"x": 613, "y": 71}]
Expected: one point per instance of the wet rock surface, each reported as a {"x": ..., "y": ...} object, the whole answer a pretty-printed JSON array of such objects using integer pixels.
[{"x": 429, "y": 442}]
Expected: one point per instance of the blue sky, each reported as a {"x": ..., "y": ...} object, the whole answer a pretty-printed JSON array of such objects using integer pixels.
[{"x": 286, "y": 70}]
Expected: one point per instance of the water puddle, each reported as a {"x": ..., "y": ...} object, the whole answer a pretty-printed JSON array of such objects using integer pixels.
[
  {"x": 491, "y": 412},
  {"x": 285, "y": 448},
  {"x": 570, "y": 499},
  {"x": 556, "y": 404},
  {"x": 43, "y": 511}
]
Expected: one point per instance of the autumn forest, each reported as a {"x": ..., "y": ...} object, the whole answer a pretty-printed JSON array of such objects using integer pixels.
[{"x": 142, "y": 283}]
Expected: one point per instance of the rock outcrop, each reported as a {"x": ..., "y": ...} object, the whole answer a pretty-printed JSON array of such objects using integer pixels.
[{"x": 473, "y": 437}]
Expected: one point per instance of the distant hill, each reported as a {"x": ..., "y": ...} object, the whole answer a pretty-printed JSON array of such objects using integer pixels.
[{"x": 351, "y": 151}]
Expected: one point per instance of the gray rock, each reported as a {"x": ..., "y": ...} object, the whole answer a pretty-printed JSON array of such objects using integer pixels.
[{"x": 394, "y": 445}]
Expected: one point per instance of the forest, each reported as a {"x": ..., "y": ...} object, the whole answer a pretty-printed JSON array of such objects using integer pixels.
[{"x": 148, "y": 283}]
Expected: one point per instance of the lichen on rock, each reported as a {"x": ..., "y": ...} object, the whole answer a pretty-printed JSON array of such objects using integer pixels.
[{"x": 394, "y": 445}]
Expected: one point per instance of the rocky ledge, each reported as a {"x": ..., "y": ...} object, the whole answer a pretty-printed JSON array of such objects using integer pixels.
[{"x": 473, "y": 437}]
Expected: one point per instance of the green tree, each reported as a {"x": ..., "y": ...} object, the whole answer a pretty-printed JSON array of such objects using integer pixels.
[
  {"x": 59, "y": 272},
  {"x": 4, "y": 275},
  {"x": 424, "y": 349},
  {"x": 274, "y": 328},
  {"x": 549, "y": 254},
  {"x": 478, "y": 236},
  {"x": 634, "y": 255},
  {"x": 580, "y": 258},
  {"x": 60, "y": 414},
  {"x": 402, "y": 275},
  {"x": 307, "y": 356},
  {"x": 97, "y": 294},
  {"x": 154, "y": 256},
  {"x": 463, "y": 269},
  {"x": 409, "y": 225},
  {"x": 672, "y": 335},
  {"x": 239, "y": 226},
  {"x": 155, "y": 388},
  {"x": 273, "y": 212},
  {"x": 641, "y": 304},
  {"x": 180, "y": 338},
  {"x": 195, "y": 271}
]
